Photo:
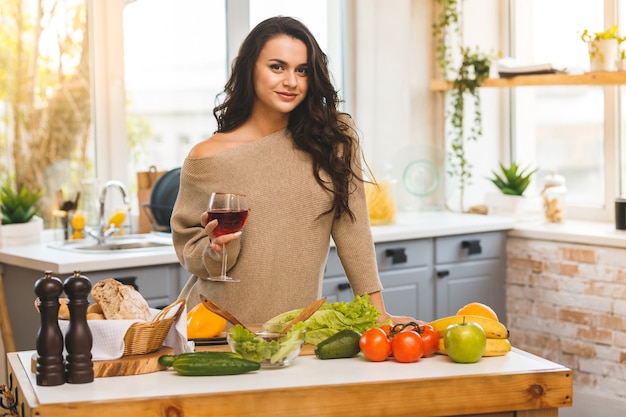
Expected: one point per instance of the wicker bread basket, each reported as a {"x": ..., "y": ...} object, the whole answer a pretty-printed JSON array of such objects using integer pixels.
[{"x": 147, "y": 337}]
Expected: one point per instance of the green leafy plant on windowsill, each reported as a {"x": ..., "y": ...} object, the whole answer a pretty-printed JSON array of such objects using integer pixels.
[
  {"x": 513, "y": 180},
  {"x": 18, "y": 207}
]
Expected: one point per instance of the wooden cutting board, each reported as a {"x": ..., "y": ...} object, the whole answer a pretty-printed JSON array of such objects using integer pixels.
[{"x": 126, "y": 365}]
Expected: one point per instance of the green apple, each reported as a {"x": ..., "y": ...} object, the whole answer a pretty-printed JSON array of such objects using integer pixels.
[{"x": 465, "y": 342}]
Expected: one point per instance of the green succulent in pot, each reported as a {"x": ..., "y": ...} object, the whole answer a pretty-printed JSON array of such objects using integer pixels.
[
  {"x": 513, "y": 180},
  {"x": 18, "y": 206}
]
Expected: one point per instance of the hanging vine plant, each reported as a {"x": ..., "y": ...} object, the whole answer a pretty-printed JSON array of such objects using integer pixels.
[
  {"x": 467, "y": 78},
  {"x": 473, "y": 71},
  {"x": 446, "y": 29}
]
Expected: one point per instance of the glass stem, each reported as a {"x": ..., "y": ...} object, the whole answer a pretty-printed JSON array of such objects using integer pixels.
[{"x": 224, "y": 260}]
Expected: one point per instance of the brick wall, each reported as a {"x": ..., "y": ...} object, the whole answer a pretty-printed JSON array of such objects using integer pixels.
[{"x": 567, "y": 303}]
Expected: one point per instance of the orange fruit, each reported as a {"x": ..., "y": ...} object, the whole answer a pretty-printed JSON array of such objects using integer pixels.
[
  {"x": 203, "y": 324},
  {"x": 478, "y": 309}
]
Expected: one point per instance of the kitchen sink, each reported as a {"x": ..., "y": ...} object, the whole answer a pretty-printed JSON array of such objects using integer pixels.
[{"x": 138, "y": 242}]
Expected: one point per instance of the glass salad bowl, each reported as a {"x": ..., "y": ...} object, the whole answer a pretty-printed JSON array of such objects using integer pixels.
[{"x": 265, "y": 344}]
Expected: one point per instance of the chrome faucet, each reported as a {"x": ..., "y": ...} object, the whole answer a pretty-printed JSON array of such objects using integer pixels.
[{"x": 106, "y": 230}]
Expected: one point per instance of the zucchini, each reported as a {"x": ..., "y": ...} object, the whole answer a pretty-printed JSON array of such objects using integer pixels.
[
  {"x": 201, "y": 364},
  {"x": 168, "y": 360},
  {"x": 343, "y": 344}
]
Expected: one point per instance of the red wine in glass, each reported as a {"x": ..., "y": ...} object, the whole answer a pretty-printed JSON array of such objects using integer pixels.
[
  {"x": 231, "y": 212},
  {"x": 228, "y": 221}
]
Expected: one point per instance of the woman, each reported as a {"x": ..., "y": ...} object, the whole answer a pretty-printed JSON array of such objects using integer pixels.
[{"x": 282, "y": 142}]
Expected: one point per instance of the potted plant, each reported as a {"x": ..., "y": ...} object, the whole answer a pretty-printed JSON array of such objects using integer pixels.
[
  {"x": 603, "y": 48},
  {"x": 512, "y": 181},
  {"x": 20, "y": 223}
]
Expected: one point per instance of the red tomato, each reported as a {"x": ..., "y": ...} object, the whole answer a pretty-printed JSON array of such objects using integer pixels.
[
  {"x": 430, "y": 338},
  {"x": 407, "y": 346},
  {"x": 386, "y": 328},
  {"x": 375, "y": 345}
]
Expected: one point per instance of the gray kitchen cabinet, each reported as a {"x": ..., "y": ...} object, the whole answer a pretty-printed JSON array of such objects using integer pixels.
[
  {"x": 470, "y": 268},
  {"x": 405, "y": 270},
  {"x": 159, "y": 285},
  {"x": 433, "y": 277}
]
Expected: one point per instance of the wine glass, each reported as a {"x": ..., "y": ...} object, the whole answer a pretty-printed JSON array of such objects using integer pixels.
[{"x": 231, "y": 212}]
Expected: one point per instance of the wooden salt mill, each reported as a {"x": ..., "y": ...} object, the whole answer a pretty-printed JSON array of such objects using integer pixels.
[
  {"x": 50, "y": 369},
  {"x": 78, "y": 338}
]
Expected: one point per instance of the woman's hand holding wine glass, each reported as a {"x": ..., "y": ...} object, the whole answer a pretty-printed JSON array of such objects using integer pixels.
[{"x": 231, "y": 213}]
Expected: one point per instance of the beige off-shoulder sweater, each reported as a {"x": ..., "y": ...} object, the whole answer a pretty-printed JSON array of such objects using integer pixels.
[{"x": 281, "y": 255}]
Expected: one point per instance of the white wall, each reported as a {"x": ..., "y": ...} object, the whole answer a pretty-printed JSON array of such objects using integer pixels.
[
  {"x": 401, "y": 119},
  {"x": 392, "y": 71}
]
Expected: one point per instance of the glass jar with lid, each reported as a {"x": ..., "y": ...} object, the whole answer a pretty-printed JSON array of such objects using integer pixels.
[{"x": 554, "y": 194}]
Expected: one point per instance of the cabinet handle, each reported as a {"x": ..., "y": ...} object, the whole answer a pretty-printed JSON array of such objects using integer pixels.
[
  {"x": 132, "y": 281},
  {"x": 473, "y": 246},
  {"x": 398, "y": 255},
  {"x": 344, "y": 286},
  {"x": 443, "y": 274}
]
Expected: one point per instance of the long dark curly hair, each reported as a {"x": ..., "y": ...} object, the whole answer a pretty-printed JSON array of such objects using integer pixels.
[{"x": 314, "y": 124}]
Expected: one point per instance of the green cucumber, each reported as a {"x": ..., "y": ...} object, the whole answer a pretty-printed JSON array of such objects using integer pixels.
[
  {"x": 200, "y": 364},
  {"x": 343, "y": 344},
  {"x": 168, "y": 360}
]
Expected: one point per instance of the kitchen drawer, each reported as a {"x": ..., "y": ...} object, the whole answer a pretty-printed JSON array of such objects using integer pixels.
[
  {"x": 390, "y": 256},
  {"x": 337, "y": 290},
  {"x": 469, "y": 247}
]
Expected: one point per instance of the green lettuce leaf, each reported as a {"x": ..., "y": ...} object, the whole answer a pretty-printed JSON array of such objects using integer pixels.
[
  {"x": 257, "y": 349},
  {"x": 359, "y": 315}
]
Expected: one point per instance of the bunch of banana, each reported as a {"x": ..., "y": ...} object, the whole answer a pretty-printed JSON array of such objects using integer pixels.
[{"x": 497, "y": 334}]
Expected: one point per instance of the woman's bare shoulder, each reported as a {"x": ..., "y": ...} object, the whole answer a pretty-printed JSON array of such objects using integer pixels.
[{"x": 211, "y": 146}]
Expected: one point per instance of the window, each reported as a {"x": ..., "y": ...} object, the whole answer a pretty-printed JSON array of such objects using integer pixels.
[
  {"x": 176, "y": 62},
  {"x": 46, "y": 136},
  {"x": 141, "y": 94},
  {"x": 174, "y": 66},
  {"x": 568, "y": 129}
]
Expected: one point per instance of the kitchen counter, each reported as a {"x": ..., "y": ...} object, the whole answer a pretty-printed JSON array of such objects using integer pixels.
[
  {"x": 408, "y": 226},
  {"x": 42, "y": 257},
  {"x": 572, "y": 231},
  {"x": 433, "y": 386}
]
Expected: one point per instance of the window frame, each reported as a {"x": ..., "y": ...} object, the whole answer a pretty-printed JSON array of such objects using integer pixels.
[
  {"x": 612, "y": 127},
  {"x": 106, "y": 23}
]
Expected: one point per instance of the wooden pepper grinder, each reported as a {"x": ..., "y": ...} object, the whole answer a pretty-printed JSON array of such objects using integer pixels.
[
  {"x": 78, "y": 339},
  {"x": 50, "y": 367}
]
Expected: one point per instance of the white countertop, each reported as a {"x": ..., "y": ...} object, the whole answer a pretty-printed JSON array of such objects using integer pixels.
[
  {"x": 306, "y": 371},
  {"x": 572, "y": 231},
  {"x": 408, "y": 226},
  {"x": 40, "y": 256}
]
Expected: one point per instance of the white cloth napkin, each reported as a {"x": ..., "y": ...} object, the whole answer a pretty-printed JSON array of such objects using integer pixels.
[{"x": 108, "y": 335}]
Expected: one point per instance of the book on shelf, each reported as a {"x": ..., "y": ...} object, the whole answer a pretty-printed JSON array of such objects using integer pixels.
[{"x": 510, "y": 69}]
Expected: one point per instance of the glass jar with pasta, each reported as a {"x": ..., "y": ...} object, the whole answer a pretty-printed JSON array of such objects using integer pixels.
[
  {"x": 554, "y": 192},
  {"x": 381, "y": 199}
]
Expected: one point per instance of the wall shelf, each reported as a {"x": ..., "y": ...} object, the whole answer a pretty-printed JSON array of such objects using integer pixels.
[{"x": 596, "y": 78}]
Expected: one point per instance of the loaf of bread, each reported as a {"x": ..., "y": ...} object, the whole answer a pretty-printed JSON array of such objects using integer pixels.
[
  {"x": 95, "y": 308},
  {"x": 95, "y": 316},
  {"x": 64, "y": 310},
  {"x": 119, "y": 301}
]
